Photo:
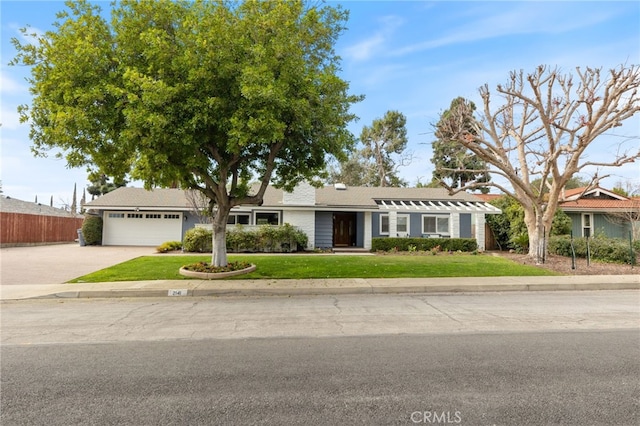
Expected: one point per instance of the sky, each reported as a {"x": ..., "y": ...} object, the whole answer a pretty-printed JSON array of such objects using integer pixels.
[{"x": 409, "y": 56}]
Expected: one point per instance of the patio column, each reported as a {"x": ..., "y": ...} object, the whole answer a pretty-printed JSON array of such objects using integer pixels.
[
  {"x": 480, "y": 222},
  {"x": 367, "y": 230},
  {"x": 455, "y": 225},
  {"x": 393, "y": 224}
]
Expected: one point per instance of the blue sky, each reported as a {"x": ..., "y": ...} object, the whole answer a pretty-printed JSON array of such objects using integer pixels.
[{"x": 411, "y": 56}]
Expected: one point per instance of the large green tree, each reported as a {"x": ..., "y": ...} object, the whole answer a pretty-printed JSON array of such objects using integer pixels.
[
  {"x": 383, "y": 152},
  {"x": 384, "y": 144},
  {"x": 454, "y": 163},
  {"x": 209, "y": 94}
]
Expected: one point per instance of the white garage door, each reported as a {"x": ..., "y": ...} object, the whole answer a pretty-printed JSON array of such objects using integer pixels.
[{"x": 141, "y": 228}]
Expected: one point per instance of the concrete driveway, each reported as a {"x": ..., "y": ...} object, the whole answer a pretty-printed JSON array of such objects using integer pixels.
[{"x": 58, "y": 263}]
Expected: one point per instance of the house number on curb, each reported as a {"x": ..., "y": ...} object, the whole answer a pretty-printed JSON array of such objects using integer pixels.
[{"x": 180, "y": 292}]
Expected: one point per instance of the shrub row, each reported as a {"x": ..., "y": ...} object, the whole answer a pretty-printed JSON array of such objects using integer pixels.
[
  {"x": 265, "y": 238},
  {"x": 424, "y": 244},
  {"x": 600, "y": 248}
]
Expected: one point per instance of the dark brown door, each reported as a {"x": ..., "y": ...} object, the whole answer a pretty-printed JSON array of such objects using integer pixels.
[{"x": 344, "y": 229}]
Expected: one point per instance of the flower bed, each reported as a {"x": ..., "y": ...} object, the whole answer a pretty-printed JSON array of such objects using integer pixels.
[{"x": 205, "y": 271}]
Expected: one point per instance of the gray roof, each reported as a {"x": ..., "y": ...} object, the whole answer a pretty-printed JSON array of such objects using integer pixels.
[
  {"x": 129, "y": 197},
  {"x": 359, "y": 196},
  {"x": 328, "y": 196},
  {"x": 13, "y": 205}
]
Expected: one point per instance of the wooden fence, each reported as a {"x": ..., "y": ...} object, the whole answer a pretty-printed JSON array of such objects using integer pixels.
[{"x": 28, "y": 229}]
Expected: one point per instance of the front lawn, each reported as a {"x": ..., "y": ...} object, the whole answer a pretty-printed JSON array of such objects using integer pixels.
[{"x": 287, "y": 266}]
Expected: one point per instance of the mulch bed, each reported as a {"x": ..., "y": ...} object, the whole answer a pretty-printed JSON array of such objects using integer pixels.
[{"x": 563, "y": 265}]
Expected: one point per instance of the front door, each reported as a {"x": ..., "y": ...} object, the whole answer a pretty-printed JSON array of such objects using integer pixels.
[{"x": 344, "y": 229}]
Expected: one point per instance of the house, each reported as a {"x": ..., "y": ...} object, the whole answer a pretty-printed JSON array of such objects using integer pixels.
[
  {"x": 332, "y": 216},
  {"x": 25, "y": 223},
  {"x": 599, "y": 210}
]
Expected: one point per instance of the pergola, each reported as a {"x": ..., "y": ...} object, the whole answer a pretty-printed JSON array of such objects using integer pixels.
[{"x": 438, "y": 206}]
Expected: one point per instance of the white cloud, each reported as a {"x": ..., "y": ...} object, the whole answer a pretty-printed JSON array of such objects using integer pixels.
[
  {"x": 375, "y": 44},
  {"x": 10, "y": 120},
  {"x": 525, "y": 18},
  {"x": 9, "y": 85},
  {"x": 364, "y": 49}
]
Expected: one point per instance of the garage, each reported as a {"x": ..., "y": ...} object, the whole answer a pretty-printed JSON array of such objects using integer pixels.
[{"x": 141, "y": 228}]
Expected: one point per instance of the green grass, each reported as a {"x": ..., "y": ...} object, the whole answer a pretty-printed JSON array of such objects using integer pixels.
[{"x": 323, "y": 266}]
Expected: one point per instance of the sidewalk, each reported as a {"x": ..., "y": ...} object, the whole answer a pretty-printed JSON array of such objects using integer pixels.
[{"x": 200, "y": 288}]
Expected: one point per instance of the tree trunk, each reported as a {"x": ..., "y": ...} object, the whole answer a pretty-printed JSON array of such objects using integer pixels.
[
  {"x": 538, "y": 233},
  {"x": 219, "y": 255}
]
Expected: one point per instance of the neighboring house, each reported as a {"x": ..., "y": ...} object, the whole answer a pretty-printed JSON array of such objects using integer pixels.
[
  {"x": 26, "y": 223},
  {"x": 332, "y": 216},
  {"x": 599, "y": 210}
]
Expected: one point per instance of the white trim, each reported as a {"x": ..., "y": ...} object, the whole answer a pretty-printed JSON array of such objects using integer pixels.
[
  {"x": 407, "y": 230},
  {"x": 436, "y": 231},
  {"x": 583, "y": 226},
  {"x": 257, "y": 212},
  {"x": 437, "y": 206},
  {"x": 380, "y": 231}
]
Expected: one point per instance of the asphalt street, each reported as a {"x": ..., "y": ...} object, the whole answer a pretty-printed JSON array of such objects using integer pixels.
[
  {"x": 560, "y": 378},
  {"x": 143, "y": 319}
]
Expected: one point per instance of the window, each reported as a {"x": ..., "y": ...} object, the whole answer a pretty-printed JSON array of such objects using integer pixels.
[
  {"x": 435, "y": 224},
  {"x": 384, "y": 224},
  {"x": 238, "y": 219},
  {"x": 403, "y": 224},
  {"x": 172, "y": 216},
  {"x": 153, "y": 216},
  {"x": 117, "y": 215},
  {"x": 587, "y": 224},
  {"x": 134, "y": 215},
  {"x": 267, "y": 218}
]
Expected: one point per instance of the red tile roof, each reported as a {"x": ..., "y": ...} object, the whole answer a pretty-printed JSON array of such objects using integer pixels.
[
  {"x": 488, "y": 197},
  {"x": 575, "y": 191},
  {"x": 598, "y": 204}
]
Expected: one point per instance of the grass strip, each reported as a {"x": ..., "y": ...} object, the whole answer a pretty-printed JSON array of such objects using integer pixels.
[{"x": 293, "y": 266}]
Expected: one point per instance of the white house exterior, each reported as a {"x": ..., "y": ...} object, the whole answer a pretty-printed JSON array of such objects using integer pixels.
[{"x": 332, "y": 216}]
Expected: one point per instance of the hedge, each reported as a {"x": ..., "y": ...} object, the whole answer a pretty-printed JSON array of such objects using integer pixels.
[
  {"x": 266, "y": 238},
  {"x": 424, "y": 244},
  {"x": 613, "y": 250}
]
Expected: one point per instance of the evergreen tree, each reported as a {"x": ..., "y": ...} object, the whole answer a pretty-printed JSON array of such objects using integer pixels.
[{"x": 454, "y": 164}]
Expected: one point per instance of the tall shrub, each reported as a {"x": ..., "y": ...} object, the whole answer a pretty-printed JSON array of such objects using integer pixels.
[
  {"x": 198, "y": 240},
  {"x": 92, "y": 230}
]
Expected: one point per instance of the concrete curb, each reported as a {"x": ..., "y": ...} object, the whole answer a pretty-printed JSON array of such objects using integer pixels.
[{"x": 176, "y": 291}]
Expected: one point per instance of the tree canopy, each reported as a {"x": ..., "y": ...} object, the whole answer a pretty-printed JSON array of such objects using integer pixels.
[
  {"x": 209, "y": 94},
  {"x": 100, "y": 184}
]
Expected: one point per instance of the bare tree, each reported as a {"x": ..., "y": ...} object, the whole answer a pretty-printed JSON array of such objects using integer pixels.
[
  {"x": 200, "y": 206},
  {"x": 543, "y": 130}
]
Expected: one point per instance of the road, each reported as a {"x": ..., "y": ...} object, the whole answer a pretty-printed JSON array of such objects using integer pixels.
[
  {"x": 570, "y": 358},
  {"x": 142, "y": 319}
]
